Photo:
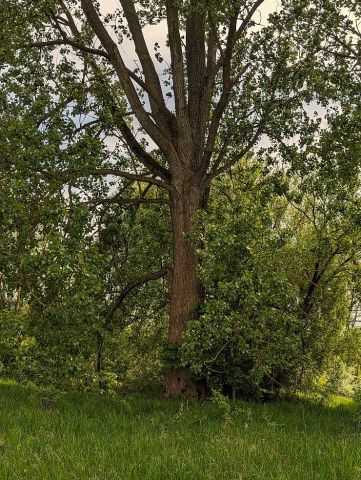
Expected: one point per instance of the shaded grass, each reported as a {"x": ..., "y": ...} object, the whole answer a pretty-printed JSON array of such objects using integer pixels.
[{"x": 79, "y": 436}]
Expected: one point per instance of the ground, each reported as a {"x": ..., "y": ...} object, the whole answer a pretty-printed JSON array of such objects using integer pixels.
[{"x": 47, "y": 436}]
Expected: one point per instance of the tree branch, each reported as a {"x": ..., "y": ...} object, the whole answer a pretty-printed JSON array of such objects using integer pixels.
[
  {"x": 140, "y": 153},
  {"x": 196, "y": 68},
  {"x": 67, "y": 41},
  {"x": 71, "y": 173},
  {"x": 150, "y": 73},
  {"x": 215, "y": 172},
  {"x": 218, "y": 114},
  {"x": 128, "y": 201},
  {"x": 129, "y": 288},
  {"x": 160, "y": 137},
  {"x": 175, "y": 45},
  {"x": 247, "y": 19}
]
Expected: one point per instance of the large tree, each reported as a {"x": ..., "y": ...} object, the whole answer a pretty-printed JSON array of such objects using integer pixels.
[{"x": 234, "y": 76}]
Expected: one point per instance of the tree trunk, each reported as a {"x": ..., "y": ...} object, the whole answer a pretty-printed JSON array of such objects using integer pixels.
[
  {"x": 98, "y": 361},
  {"x": 186, "y": 291}
]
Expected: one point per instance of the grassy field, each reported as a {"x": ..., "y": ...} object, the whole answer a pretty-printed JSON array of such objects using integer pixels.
[{"x": 77, "y": 436}]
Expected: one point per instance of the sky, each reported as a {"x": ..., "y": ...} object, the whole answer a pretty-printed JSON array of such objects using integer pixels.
[
  {"x": 159, "y": 32},
  {"x": 110, "y": 5}
]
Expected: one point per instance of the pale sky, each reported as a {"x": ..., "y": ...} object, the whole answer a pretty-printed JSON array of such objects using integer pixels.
[
  {"x": 158, "y": 33},
  {"x": 110, "y": 5}
]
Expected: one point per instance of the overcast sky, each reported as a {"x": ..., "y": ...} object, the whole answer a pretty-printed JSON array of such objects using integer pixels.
[
  {"x": 158, "y": 33},
  {"x": 110, "y": 5}
]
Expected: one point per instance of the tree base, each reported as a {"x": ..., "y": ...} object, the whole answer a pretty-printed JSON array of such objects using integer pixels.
[{"x": 177, "y": 384}]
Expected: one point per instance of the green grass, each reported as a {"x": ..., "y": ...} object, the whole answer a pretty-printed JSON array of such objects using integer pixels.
[{"x": 80, "y": 436}]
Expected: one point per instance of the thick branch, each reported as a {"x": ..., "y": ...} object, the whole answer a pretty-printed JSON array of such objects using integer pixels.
[
  {"x": 175, "y": 45},
  {"x": 129, "y": 201},
  {"x": 196, "y": 68},
  {"x": 150, "y": 73},
  {"x": 129, "y": 288},
  {"x": 71, "y": 173},
  {"x": 160, "y": 137},
  {"x": 167, "y": 114},
  {"x": 140, "y": 153}
]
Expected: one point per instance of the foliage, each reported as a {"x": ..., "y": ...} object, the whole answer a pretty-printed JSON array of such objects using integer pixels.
[
  {"x": 222, "y": 403},
  {"x": 277, "y": 275},
  {"x": 336, "y": 379},
  {"x": 56, "y": 302}
]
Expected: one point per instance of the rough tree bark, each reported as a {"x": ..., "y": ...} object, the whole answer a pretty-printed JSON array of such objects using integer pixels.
[{"x": 186, "y": 290}]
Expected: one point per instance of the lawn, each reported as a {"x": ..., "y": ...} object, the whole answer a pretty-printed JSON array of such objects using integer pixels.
[{"x": 80, "y": 436}]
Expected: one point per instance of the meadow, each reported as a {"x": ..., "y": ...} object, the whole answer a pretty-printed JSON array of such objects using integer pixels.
[{"x": 52, "y": 436}]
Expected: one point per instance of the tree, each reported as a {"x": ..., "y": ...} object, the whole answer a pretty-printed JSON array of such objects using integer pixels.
[
  {"x": 70, "y": 264},
  {"x": 68, "y": 277},
  {"x": 280, "y": 265},
  {"x": 231, "y": 80}
]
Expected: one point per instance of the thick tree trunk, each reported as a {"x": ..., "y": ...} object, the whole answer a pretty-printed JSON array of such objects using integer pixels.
[
  {"x": 185, "y": 288},
  {"x": 186, "y": 291}
]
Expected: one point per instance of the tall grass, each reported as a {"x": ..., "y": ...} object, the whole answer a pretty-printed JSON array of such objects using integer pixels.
[{"x": 79, "y": 436}]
